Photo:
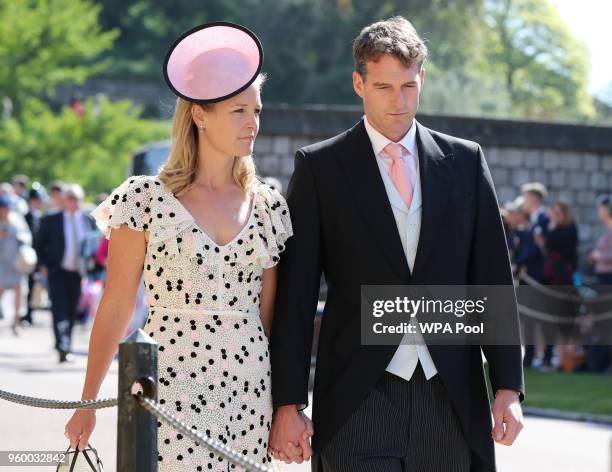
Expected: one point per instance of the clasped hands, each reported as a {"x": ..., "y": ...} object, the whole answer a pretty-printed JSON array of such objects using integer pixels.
[{"x": 289, "y": 439}]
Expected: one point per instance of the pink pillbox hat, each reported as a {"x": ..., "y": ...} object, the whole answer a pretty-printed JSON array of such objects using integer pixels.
[{"x": 213, "y": 62}]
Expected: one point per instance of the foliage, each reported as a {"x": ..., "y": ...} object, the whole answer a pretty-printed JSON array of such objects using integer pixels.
[
  {"x": 93, "y": 150},
  {"x": 47, "y": 43},
  {"x": 544, "y": 67}
]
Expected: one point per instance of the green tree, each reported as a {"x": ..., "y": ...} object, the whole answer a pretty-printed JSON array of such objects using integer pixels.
[
  {"x": 307, "y": 42},
  {"x": 148, "y": 29},
  {"x": 47, "y": 43},
  {"x": 93, "y": 149},
  {"x": 544, "y": 68}
]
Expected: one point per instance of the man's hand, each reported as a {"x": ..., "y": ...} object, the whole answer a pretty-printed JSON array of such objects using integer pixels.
[
  {"x": 290, "y": 434},
  {"x": 507, "y": 411}
]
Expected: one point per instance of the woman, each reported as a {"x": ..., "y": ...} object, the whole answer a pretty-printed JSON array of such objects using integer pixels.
[
  {"x": 208, "y": 235},
  {"x": 10, "y": 278},
  {"x": 601, "y": 256},
  {"x": 559, "y": 246}
]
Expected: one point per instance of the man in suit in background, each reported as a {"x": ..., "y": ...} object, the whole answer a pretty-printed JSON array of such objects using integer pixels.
[
  {"x": 390, "y": 202},
  {"x": 531, "y": 257},
  {"x": 59, "y": 245},
  {"x": 32, "y": 217}
]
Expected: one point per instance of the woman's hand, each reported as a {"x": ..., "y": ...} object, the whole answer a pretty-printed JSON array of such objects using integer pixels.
[{"x": 80, "y": 427}]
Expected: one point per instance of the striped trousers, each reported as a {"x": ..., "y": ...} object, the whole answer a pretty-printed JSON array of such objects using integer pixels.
[{"x": 401, "y": 426}]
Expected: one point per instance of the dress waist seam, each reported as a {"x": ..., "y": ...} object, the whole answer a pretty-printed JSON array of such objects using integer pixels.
[{"x": 202, "y": 311}]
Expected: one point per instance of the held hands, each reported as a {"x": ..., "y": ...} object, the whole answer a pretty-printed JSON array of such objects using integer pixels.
[
  {"x": 290, "y": 435},
  {"x": 507, "y": 411}
]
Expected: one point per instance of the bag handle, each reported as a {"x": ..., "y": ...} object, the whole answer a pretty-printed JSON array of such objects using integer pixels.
[
  {"x": 74, "y": 459},
  {"x": 86, "y": 456}
]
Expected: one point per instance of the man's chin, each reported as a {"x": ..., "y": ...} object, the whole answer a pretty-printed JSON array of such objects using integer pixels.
[{"x": 399, "y": 131}]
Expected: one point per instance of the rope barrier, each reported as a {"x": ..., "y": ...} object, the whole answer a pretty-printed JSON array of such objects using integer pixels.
[
  {"x": 540, "y": 315},
  {"x": 152, "y": 407},
  {"x": 544, "y": 289},
  {"x": 58, "y": 404}
]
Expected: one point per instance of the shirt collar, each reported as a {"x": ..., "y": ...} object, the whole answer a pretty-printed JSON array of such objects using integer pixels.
[
  {"x": 77, "y": 213},
  {"x": 379, "y": 141}
]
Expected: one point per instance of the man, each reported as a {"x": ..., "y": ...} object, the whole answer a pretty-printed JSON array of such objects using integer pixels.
[
  {"x": 32, "y": 217},
  {"x": 59, "y": 244},
  {"x": 531, "y": 257},
  {"x": 389, "y": 202},
  {"x": 55, "y": 197}
]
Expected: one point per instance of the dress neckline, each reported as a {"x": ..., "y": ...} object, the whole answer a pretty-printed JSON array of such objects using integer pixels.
[{"x": 240, "y": 232}]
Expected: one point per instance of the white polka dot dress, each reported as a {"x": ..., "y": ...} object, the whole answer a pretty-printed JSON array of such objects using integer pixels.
[{"x": 214, "y": 364}]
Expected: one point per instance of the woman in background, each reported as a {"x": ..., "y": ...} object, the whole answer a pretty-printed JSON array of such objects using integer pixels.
[{"x": 10, "y": 278}]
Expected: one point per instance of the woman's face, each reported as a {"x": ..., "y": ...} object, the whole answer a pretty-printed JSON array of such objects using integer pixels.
[
  {"x": 556, "y": 213},
  {"x": 230, "y": 126}
]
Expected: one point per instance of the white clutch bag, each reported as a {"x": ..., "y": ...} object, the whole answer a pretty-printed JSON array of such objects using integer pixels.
[{"x": 86, "y": 460}]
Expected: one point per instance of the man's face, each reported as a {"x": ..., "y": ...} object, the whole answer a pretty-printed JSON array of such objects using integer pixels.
[
  {"x": 71, "y": 202},
  {"x": 390, "y": 93},
  {"x": 36, "y": 203},
  {"x": 232, "y": 125},
  {"x": 532, "y": 202}
]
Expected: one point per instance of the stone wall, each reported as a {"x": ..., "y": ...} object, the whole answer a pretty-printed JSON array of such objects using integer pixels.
[{"x": 573, "y": 161}]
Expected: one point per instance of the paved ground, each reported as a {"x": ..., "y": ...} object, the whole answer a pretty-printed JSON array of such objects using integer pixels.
[{"x": 28, "y": 365}]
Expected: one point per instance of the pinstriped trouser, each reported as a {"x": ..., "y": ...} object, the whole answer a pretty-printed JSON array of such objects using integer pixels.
[{"x": 402, "y": 426}]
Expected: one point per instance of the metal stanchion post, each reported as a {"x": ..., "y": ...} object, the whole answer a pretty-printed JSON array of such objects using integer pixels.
[{"x": 136, "y": 427}]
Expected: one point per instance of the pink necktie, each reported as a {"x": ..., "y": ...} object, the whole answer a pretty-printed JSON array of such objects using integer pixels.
[{"x": 401, "y": 179}]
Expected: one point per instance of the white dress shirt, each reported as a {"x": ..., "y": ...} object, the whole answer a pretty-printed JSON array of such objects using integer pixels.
[
  {"x": 72, "y": 248},
  {"x": 408, "y": 220}
]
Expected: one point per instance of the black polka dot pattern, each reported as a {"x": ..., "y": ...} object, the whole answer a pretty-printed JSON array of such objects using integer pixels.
[{"x": 214, "y": 363}]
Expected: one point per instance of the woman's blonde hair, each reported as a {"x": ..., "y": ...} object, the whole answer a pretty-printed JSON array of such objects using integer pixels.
[{"x": 179, "y": 170}]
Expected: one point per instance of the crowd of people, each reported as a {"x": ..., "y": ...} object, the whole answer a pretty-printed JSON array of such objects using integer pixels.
[
  {"x": 72, "y": 252},
  {"x": 67, "y": 274},
  {"x": 543, "y": 242}
]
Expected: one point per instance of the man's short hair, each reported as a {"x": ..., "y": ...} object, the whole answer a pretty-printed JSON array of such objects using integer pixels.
[
  {"x": 56, "y": 186},
  {"x": 535, "y": 188},
  {"x": 20, "y": 179},
  {"x": 395, "y": 36},
  {"x": 73, "y": 190}
]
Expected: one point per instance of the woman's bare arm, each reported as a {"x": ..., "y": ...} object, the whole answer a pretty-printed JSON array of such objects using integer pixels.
[
  {"x": 268, "y": 293},
  {"x": 126, "y": 253}
]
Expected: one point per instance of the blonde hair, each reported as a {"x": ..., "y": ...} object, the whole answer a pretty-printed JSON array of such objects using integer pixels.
[
  {"x": 179, "y": 170},
  {"x": 535, "y": 188}
]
